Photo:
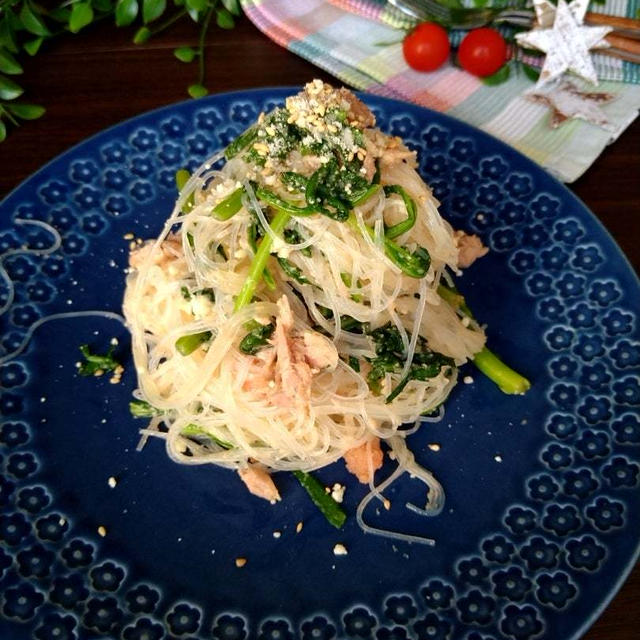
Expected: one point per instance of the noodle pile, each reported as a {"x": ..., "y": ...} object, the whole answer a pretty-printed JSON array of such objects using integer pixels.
[{"x": 332, "y": 291}]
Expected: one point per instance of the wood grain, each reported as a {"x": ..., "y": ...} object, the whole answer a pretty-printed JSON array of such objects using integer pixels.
[{"x": 98, "y": 78}]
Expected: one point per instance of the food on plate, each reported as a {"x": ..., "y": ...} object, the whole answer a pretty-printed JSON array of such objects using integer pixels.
[{"x": 298, "y": 306}]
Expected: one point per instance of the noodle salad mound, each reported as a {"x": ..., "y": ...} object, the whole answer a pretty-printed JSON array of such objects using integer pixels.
[{"x": 298, "y": 306}]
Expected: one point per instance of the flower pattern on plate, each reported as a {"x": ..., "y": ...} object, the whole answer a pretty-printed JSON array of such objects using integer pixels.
[{"x": 533, "y": 561}]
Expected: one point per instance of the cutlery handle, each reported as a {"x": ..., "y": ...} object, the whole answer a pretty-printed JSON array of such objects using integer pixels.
[
  {"x": 623, "y": 44},
  {"x": 628, "y": 27}
]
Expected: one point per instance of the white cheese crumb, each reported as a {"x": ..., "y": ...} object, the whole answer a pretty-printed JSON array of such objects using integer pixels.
[
  {"x": 467, "y": 380},
  {"x": 337, "y": 492},
  {"x": 277, "y": 534},
  {"x": 340, "y": 550},
  {"x": 114, "y": 342},
  {"x": 497, "y": 458}
]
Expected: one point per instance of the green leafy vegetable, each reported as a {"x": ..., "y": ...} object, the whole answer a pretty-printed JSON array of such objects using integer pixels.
[
  {"x": 240, "y": 143},
  {"x": 390, "y": 358},
  {"x": 329, "y": 508},
  {"x": 295, "y": 181},
  {"x": 260, "y": 260},
  {"x": 404, "y": 226},
  {"x": 292, "y": 236},
  {"x": 196, "y": 433},
  {"x": 228, "y": 207},
  {"x": 96, "y": 364},
  {"x": 292, "y": 271},
  {"x": 508, "y": 380},
  {"x": 186, "y": 345},
  {"x": 142, "y": 409},
  {"x": 257, "y": 338}
]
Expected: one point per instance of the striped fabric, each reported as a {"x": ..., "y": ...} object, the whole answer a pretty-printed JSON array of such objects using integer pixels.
[{"x": 359, "y": 42}]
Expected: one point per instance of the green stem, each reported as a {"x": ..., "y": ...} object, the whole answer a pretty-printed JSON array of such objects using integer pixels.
[
  {"x": 9, "y": 117},
  {"x": 505, "y": 377},
  {"x": 260, "y": 260},
  {"x": 168, "y": 22},
  {"x": 203, "y": 34},
  {"x": 508, "y": 380},
  {"x": 329, "y": 508}
]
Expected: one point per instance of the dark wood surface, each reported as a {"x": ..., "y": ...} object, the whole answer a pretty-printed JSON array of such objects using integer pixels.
[{"x": 98, "y": 78}]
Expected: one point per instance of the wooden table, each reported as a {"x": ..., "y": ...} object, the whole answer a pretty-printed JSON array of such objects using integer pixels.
[{"x": 98, "y": 78}]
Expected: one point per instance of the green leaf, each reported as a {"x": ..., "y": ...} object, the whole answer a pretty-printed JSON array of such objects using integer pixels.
[
  {"x": 185, "y": 54},
  {"x": 224, "y": 19},
  {"x": 8, "y": 64},
  {"x": 7, "y": 37},
  {"x": 152, "y": 9},
  {"x": 9, "y": 90},
  {"x": 126, "y": 12},
  {"x": 531, "y": 72},
  {"x": 26, "y": 111},
  {"x": 102, "y": 6},
  {"x": 61, "y": 14},
  {"x": 197, "y": 90},
  {"x": 232, "y": 6},
  {"x": 33, "y": 46},
  {"x": 3, "y": 131},
  {"x": 196, "y": 5},
  {"x": 500, "y": 76},
  {"x": 32, "y": 23},
  {"x": 142, "y": 35},
  {"x": 81, "y": 16}
]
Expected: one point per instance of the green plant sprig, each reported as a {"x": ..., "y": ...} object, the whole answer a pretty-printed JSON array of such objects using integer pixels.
[{"x": 26, "y": 25}]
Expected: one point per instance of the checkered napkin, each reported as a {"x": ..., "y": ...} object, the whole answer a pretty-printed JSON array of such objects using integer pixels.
[{"x": 359, "y": 42}]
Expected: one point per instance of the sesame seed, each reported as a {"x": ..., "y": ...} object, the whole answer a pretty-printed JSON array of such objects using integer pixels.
[
  {"x": 112, "y": 482},
  {"x": 102, "y": 531},
  {"x": 240, "y": 562},
  {"x": 299, "y": 527},
  {"x": 340, "y": 550},
  {"x": 434, "y": 446}
]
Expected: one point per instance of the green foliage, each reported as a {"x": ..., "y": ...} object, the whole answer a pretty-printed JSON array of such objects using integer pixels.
[
  {"x": 95, "y": 364},
  {"x": 126, "y": 12},
  {"x": 25, "y": 26},
  {"x": 81, "y": 16},
  {"x": 257, "y": 338},
  {"x": 197, "y": 90},
  {"x": 185, "y": 54},
  {"x": 500, "y": 76},
  {"x": 152, "y": 9}
]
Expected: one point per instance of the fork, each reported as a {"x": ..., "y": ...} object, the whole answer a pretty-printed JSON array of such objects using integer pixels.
[
  {"x": 462, "y": 17},
  {"x": 624, "y": 39}
]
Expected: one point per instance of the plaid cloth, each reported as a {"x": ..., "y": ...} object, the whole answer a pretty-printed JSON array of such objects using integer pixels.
[{"x": 359, "y": 42}]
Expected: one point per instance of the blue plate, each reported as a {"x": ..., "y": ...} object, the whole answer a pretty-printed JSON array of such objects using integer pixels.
[{"x": 543, "y": 511}]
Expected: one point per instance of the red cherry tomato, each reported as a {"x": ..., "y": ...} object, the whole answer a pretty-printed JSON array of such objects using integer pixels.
[
  {"x": 482, "y": 52},
  {"x": 426, "y": 47}
]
